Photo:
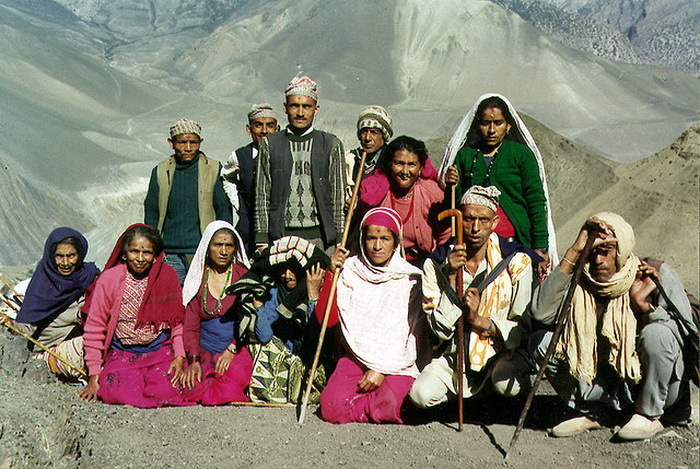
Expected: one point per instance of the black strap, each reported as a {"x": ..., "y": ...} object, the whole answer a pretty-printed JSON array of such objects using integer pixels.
[{"x": 480, "y": 282}]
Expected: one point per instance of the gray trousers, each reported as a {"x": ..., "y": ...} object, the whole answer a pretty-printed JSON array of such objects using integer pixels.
[{"x": 661, "y": 388}]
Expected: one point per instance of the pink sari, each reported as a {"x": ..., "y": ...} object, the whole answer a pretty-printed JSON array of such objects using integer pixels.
[
  {"x": 230, "y": 386},
  {"x": 140, "y": 380},
  {"x": 343, "y": 402}
]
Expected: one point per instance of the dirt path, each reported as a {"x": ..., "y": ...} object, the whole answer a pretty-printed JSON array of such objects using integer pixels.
[{"x": 44, "y": 424}]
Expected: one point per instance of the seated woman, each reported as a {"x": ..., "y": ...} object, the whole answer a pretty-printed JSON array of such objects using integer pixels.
[
  {"x": 379, "y": 310},
  {"x": 492, "y": 147},
  {"x": 278, "y": 297},
  {"x": 218, "y": 369},
  {"x": 50, "y": 311},
  {"x": 133, "y": 332},
  {"x": 412, "y": 193}
]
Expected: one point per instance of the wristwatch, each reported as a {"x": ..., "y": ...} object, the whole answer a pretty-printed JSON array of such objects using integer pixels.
[{"x": 232, "y": 348}]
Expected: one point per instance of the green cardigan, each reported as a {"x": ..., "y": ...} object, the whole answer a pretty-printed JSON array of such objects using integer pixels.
[{"x": 516, "y": 174}]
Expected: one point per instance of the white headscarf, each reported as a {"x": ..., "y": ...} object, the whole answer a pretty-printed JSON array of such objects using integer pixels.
[
  {"x": 520, "y": 134},
  {"x": 379, "y": 307},
  {"x": 199, "y": 261}
]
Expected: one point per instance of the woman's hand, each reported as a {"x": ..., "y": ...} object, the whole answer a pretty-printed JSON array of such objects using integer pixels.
[
  {"x": 193, "y": 375},
  {"x": 338, "y": 257},
  {"x": 544, "y": 265},
  {"x": 89, "y": 392},
  {"x": 451, "y": 176},
  {"x": 370, "y": 381},
  {"x": 314, "y": 281},
  {"x": 6, "y": 320},
  {"x": 223, "y": 362},
  {"x": 177, "y": 369}
]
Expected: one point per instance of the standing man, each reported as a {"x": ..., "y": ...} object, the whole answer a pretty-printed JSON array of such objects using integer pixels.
[
  {"x": 494, "y": 319},
  {"x": 240, "y": 171},
  {"x": 301, "y": 175},
  {"x": 184, "y": 195},
  {"x": 374, "y": 130},
  {"x": 620, "y": 352}
]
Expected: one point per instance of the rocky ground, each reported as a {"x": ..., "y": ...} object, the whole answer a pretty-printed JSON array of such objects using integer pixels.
[{"x": 44, "y": 424}]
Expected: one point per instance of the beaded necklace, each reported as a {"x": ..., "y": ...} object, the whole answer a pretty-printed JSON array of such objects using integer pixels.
[
  {"x": 205, "y": 289},
  {"x": 488, "y": 168},
  {"x": 392, "y": 198}
]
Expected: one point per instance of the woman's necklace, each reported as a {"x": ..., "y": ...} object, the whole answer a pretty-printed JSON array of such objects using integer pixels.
[
  {"x": 205, "y": 290},
  {"x": 410, "y": 206},
  {"x": 485, "y": 181}
]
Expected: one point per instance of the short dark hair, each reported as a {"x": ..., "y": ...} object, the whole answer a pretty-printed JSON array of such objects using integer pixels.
[
  {"x": 404, "y": 142},
  {"x": 147, "y": 232}
]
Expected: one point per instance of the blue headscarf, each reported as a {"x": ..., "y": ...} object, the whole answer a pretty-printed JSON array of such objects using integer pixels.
[{"x": 49, "y": 293}]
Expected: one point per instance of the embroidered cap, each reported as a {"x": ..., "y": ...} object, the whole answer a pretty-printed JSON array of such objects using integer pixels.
[
  {"x": 258, "y": 111},
  {"x": 485, "y": 196},
  {"x": 185, "y": 126},
  {"x": 376, "y": 117},
  {"x": 302, "y": 86}
]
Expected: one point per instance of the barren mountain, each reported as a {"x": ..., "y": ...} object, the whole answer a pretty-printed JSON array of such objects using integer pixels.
[
  {"x": 662, "y": 32},
  {"x": 89, "y": 87}
]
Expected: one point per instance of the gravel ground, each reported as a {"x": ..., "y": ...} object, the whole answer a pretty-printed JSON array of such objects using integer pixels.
[{"x": 44, "y": 424}]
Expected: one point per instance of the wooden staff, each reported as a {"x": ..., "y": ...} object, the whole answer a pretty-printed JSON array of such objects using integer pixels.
[
  {"x": 39, "y": 344},
  {"x": 260, "y": 404},
  {"x": 331, "y": 292},
  {"x": 12, "y": 289},
  {"x": 459, "y": 287},
  {"x": 561, "y": 319}
]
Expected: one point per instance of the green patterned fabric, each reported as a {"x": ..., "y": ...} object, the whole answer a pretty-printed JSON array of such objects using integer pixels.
[{"x": 278, "y": 375}]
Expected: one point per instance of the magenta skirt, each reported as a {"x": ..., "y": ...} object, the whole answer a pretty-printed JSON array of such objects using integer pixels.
[
  {"x": 342, "y": 401},
  {"x": 230, "y": 386},
  {"x": 140, "y": 380}
]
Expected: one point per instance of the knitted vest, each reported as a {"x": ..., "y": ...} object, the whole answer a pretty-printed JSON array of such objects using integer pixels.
[
  {"x": 207, "y": 175},
  {"x": 281, "y": 172}
]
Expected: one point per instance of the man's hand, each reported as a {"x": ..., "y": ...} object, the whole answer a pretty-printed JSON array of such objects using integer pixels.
[
  {"x": 642, "y": 287},
  {"x": 592, "y": 227},
  {"x": 370, "y": 381},
  {"x": 472, "y": 299}
]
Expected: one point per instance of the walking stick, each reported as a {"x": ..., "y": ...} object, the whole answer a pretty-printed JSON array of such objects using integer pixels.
[
  {"x": 331, "y": 292},
  {"x": 459, "y": 222},
  {"x": 39, "y": 344},
  {"x": 561, "y": 319},
  {"x": 12, "y": 289}
]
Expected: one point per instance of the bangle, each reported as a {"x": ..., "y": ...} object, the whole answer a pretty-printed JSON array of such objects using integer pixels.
[
  {"x": 573, "y": 264},
  {"x": 487, "y": 331},
  {"x": 193, "y": 359}
]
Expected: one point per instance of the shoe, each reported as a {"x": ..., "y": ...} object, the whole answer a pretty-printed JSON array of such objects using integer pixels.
[
  {"x": 574, "y": 426},
  {"x": 640, "y": 428}
]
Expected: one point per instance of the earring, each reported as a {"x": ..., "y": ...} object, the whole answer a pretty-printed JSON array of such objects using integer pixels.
[{"x": 123, "y": 258}]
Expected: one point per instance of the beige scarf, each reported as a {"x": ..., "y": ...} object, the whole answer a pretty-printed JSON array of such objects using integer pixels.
[
  {"x": 619, "y": 325},
  {"x": 495, "y": 300}
]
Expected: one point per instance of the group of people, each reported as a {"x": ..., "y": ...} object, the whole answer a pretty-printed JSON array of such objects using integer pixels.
[{"x": 190, "y": 309}]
